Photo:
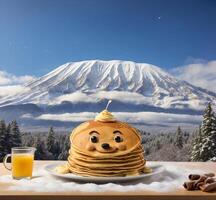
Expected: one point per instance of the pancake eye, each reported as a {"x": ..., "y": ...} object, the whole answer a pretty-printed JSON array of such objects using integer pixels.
[
  {"x": 94, "y": 139},
  {"x": 118, "y": 138}
]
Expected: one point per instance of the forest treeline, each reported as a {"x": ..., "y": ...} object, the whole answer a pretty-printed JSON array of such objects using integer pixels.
[
  {"x": 49, "y": 146},
  {"x": 199, "y": 145}
]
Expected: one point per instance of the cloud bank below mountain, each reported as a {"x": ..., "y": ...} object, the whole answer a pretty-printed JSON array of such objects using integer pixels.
[
  {"x": 150, "y": 118},
  {"x": 201, "y": 74},
  {"x": 129, "y": 97}
]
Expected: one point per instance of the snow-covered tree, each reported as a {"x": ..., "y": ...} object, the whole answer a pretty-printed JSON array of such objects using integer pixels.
[
  {"x": 16, "y": 136},
  {"x": 205, "y": 144},
  {"x": 179, "y": 138},
  {"x": 56, "y": 150},
  {"x": 212, "y": 138},
  {"x": 197, "y": 145},
  {"x": 8, "y": 138},
  {"x": 3, "y": 142},
  {"x": 50, "y": 142},
  {"x": 64, "y": 147},
  {"x": 208, "y": 150}
]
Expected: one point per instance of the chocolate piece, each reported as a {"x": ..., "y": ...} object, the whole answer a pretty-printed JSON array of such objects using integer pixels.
[
  {"x": 209, "y": 187},
  {"x": 194, "y": 176},
  {"x": 200, "y": 180},
  {"x": 189, "y": 185},
  {"x": 209, "y": 174},
  {"x": 206, "y": 182},
  {"x": 198, "y": 185},
  {"x": 210, "y": 180},
  {"x": 195, "y": 184}
]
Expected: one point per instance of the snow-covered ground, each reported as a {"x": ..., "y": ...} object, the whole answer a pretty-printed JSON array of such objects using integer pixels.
[{"x": 171, "y": 179}]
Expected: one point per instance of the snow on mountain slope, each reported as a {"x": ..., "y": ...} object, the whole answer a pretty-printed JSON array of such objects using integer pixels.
[{"x": 90, "y": 81}]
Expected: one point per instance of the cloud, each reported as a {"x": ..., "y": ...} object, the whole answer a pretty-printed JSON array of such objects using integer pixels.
[
  {"x": 10, "y": 79},
  {"x": 130, "y": 117},
  {"x": 11, "y": 84},
  {"x": 11, "y": 90},
  {"x": 73, "y": 97},
  {"x": 129, "y": 97},
  {"x": 202, "y": 74},
  {"x": 68, "y": 117}
]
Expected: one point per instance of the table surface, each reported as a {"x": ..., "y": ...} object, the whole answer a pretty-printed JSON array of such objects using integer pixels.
[{"x": 180, "y": 194}]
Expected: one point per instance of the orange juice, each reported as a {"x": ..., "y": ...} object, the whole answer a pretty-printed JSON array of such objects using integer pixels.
[{"x": 22, "y": 165}]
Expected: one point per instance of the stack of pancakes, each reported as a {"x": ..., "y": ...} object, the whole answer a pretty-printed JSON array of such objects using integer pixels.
[
  {"x": 106, "y": 147},
  {"x": 125, "y": 163}
]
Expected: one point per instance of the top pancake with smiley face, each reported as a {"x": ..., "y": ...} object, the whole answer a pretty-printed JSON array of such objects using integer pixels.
[{"x": 105, "y": 139}]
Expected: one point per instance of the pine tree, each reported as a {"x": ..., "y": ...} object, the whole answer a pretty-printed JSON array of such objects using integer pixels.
[
  {"x": 30, "y": 141},
  {"x": 208, "y": 150},
  {"x": 56, "y": 150},
  {"x": 16, "y": 136},
  {"x": 3, "y": 141},
  {"x": 64, "y": 147},
  {"x": 179, "y": 138},
  {"x": 41, "y": 151},
  {"x": 50, "y": 142},
  {"x": 212, "y": 138},
  {"x": 197, "y": 145},
  {"x": 9, "y": 138},
  {"x": 158, "y": 145},
  {"x": 186, "y": 137}
]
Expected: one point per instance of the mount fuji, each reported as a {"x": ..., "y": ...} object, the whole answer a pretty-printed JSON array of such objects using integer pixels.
[{"x": 85, "y": 86}]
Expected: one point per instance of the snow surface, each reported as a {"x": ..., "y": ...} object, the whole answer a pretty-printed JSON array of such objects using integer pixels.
[
  {"x": 126, "y": 81},
  {"x": 170, "y": 180}
]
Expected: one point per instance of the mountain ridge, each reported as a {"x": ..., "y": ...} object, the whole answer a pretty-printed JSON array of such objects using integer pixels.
[{"x": 95, "y": 78}]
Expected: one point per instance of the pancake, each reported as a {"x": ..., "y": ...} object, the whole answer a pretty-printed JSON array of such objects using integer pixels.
[
  {"x": 79, "y": 140},
  {"x": 105, "y": 147},
  {"x": 106, "y": 157},
  {"x": 106, "y": 165}
]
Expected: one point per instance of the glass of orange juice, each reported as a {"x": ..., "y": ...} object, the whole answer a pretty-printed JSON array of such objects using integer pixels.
[{"x": 22, "y": 159}]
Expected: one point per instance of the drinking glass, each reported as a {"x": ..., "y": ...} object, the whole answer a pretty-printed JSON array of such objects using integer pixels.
[{"x": 22, "y": 159}]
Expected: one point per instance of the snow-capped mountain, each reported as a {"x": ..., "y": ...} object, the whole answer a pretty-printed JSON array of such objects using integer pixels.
[
  {"x": 143, "y": 94},
  {"x": 124, "y": 81}
]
